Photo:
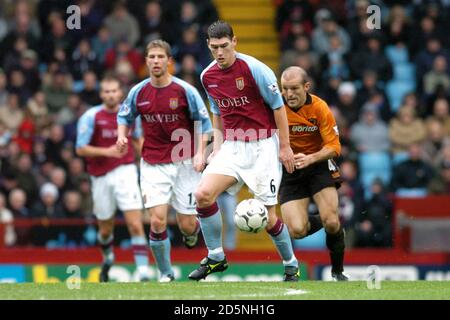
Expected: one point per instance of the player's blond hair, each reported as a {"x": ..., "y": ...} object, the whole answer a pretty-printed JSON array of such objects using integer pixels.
[{"x": 159, "y": 44}]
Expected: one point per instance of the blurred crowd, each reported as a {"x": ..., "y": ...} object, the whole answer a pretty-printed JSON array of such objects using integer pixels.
[
  {"x": 387, "y": 80},
  {"x": 388, "y": 87},
  {"x": 49, "y": 76}
]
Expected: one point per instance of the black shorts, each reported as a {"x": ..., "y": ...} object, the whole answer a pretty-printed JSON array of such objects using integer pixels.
[{"x": 304, "y": 183}]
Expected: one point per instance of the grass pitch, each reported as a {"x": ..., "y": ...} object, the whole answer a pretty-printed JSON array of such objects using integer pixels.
[{"x": 304, "y": 290}]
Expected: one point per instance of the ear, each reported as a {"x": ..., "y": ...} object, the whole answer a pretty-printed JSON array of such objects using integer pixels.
[
  {"x": 234, "y": 40},
  {"x": 307, "y": 86}
]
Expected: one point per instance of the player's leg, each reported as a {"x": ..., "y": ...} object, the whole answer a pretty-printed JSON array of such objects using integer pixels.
[
  {"x": 133, "y": 219},
  {"x": 104, "y": 209},
  {"x": 189, "y": 228},
  {"x": 128, "y": 197},
  {"x": 183, "y": 201},
  {"x": 295, "y": 216},
  {"x": 105, "y": 239},
  {"x": 160, "y": 242},
  {"x": 157, "y": 182},
  {"x": 264, "y": 178},
  {"x": 210, "y": 187},
  {"x": 280, "y": 237},
  {"x": 227, "y": 205},
  {"x": 327, "y": 203}
]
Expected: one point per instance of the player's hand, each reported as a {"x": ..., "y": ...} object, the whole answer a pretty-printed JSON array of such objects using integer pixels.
[
  {"x": 198, "y": 162},
  {"x": 287, "y": 158},
  {"x": 114, "y": 152},
  {"x": 302, "y": 160},
  {"x": 122, "y": 144}
]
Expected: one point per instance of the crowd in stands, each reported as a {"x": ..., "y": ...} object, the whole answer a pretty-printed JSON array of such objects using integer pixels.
[
  {"x": 49, "y": 76},
  {"x": 389, "y": 89}
]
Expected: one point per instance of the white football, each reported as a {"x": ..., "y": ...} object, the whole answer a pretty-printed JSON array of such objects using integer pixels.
[{"x": 251, "y": 216}]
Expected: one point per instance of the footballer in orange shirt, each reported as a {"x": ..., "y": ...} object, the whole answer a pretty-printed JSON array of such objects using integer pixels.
[{"x": 314, "y": 139}]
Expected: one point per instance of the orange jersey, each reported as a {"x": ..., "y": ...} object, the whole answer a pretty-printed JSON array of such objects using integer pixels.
[{"x": 312, "y": 127}]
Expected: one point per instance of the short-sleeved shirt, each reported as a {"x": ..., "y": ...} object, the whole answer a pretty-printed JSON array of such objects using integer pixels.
[
  {"x": 169, "y": 117},
  {"x": 98, "y": 127},
  {"x": 312, "y": 127},
  {"x": 244, "y": 95}
]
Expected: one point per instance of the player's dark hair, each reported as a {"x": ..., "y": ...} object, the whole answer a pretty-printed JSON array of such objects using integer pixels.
[
  {"x": 159, "y": 44},
  {"x": 109, "y": 77},
  {"x": 220, "y": 29}
]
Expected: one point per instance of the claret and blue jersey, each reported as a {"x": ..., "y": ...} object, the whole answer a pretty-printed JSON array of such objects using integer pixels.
[
  {"x": 163, "y": 111},
  {"x": 244, "y": 95},
  {"x": 98, "y": 127}
]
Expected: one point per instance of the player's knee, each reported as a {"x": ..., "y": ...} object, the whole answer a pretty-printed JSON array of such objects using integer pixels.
[
  {"x": 297, "y": 232},
  {"x": 188, "y": 226},
  {"x": 204, "y": 197},
  {"x": 158, "y": 224},
  {"x": 105, "y": 233},
  {"x": 331, "y": 224},
  {"x": 135, "y": 228}
]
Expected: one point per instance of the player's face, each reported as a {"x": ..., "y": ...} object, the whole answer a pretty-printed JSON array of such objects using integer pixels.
[
  {"x": 111, "y": 93},
  {"x": 294, "y": 91},
  {"x": 223, "y": 50},
  {"x": 157, "y": 61}
]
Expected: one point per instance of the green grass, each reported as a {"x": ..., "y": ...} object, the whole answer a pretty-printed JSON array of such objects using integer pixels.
[{"x": 305, "y": 290}]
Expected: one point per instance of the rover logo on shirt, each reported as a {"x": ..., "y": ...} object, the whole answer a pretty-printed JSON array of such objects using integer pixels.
[
  {"x": 240, "y": 83},
  {"x": 173, "y": 103}
]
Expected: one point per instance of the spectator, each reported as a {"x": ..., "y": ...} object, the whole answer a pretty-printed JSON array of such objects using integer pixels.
[
  {"x": 89, "y": 95},
  {"x": 57, "y": 90},
  {"x": 441, "y": 183},
  {"x": 58, "y": 37},
  {"x": 7, "y": 219},
  {"x": 17, "y": 203},
  {"x": 441, "y": 113},
  {"x": 123, "y": 51},
  {"x": 29, "y": 67},
  {"x": 328, "y": 27},
  {"x": 405, "y": 129},
  {"x": 54, "y": 145},
  {"x": 351, "y": 193},
  {"x": 370, "y": 133},
  {"x": 17, "y": 85},
  {"x": 434, "y": 142},
  {"x": 38, "y": 110},
  {"x": 12, "y": 114},
  {"x": 122, "y": 24},
  {"x": 371, "y": 58},
  {"x": 84, "y": 186},
  {"x": 84, "y": 59},
  {"x": 101, "y": 43},
  {"x": 437, "y": 76},
  {"x": 72, "y": 204},
  {"x": 26, "y": 178},
  {"x": 347, "y": 102},
  {"x": 424, "y": 59},
  {"x": 373, "y": 228},
  {"x": 370, "y": 88},
  {"x": 411, "y": 177},
  {"x": 58, "y": 177},
  {"x": 48, "y": 205},
  {"x": 334, "y": 61}
]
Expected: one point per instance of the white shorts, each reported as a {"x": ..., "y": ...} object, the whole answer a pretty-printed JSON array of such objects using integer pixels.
[
  {"x": 254, "y": 163},
  {"x": 118, "y": 188},
  {"x": 170, "y": 183}
]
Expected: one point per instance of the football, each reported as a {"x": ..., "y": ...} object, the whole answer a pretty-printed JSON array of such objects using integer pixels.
[{"x": 251, "y": 216}]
